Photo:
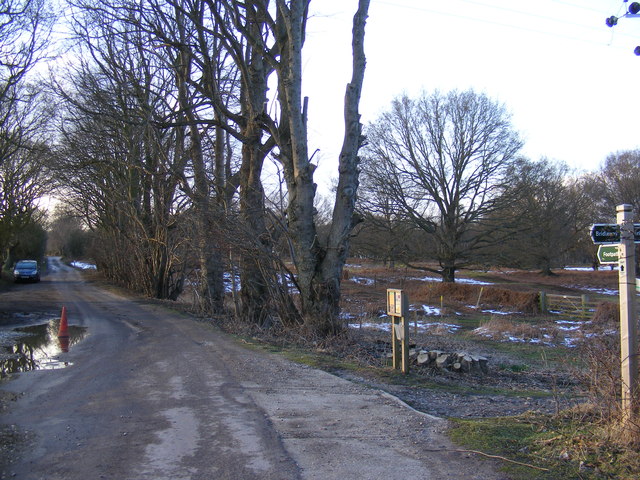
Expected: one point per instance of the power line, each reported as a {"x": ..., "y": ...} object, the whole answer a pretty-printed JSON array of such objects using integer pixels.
[
  {"x": 578, "y": 6},
  {"x": 562, "y": 22}
]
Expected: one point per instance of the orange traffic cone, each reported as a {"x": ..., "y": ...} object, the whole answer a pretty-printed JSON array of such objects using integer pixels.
[
  {"x": 63, "y": 331},
  {"x": 64, "y": 343}
]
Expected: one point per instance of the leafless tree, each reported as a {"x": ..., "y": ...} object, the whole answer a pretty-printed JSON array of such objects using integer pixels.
[
  {"x": 211, "y": 60},
  {"x": 122, "y": 171},
  {"x": 208, "y": 89},
  {"x": 264, "y": 38},
  {"x": 23, "y": 181},
  {"x": 442, "y": 159},
  {"x": 617, "y": 182},
  {"x": 319, "y": 266},
  {"x": 544, "y": 219},
  {"x": 25, "y": 27}
]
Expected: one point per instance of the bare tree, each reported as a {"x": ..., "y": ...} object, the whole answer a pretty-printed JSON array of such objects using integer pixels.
[
  {"x": 442, "y": 159},
  {"x": 319, "y": 266},
  {"x": 25, "y": 26},
  {"x": 122, "y": 171},
  {"x": 23, "y": 181},
  {"x": 24, "y": 175},
  {"x": 617, "y": 182},
  {"x": 207, "y": 86},
  {"x": 66, "y": 235},
  {"x": 212, "y": 60},
  {"x": 544, "y": 219},
  {"x": 25, "y": 29},
  {"x": 263, "y": 38}
]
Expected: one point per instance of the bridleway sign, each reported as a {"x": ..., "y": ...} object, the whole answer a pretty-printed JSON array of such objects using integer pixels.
[{"x": 608, "y": 233}]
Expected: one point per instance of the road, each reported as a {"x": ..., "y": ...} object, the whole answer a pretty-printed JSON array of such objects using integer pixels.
[{"x": 153, "y": 394}]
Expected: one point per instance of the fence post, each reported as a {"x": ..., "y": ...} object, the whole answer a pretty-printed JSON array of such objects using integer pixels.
[
  {"x": 585, "y": 307},
  {"x": 543, "y": 302},
  {"x": 479, "y": 297}
]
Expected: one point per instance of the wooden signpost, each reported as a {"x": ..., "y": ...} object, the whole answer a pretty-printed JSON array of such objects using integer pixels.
[
  {"x": 628, "y": 318},
  {"x": 625, "y": 234},
  {"x": 397, "y": 308}
]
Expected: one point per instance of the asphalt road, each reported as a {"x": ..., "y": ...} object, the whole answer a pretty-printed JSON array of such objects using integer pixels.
[{"x": 153, "y": 394}]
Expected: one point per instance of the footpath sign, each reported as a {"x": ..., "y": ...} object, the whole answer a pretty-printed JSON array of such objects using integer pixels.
[{"x": 608, "y": 254}]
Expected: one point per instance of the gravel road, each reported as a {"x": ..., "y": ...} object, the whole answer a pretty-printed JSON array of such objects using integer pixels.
[{"x": 153, "y": 394}]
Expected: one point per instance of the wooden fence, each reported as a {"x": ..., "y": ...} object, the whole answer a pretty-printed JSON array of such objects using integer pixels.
[{"x": 570, "y": 306}]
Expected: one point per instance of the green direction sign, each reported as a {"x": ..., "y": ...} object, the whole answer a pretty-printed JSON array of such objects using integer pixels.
[{"x": 608, "y": 254}]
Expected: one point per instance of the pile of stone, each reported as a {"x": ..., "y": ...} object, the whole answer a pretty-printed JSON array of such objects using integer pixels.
[{"x": 458, "y": 362}]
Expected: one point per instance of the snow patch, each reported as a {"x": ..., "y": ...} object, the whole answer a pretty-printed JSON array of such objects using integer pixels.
[
  {"x": 468, "y": 281},
  {"x": 363, "y": 281},
  {"x": 84, "y": 266}
]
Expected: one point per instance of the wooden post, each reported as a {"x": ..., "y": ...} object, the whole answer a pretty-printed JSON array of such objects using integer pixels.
[
  {"x": 404, "y": 322},
  {"x": 397, "y": 308},
  {"x": 585, "y": 307},
  {"x": 396, "y": 345},
  {"x": 479, "y": 297},
  {"x": 628, "y": 320},
  {"x": 543, "y": 302}
]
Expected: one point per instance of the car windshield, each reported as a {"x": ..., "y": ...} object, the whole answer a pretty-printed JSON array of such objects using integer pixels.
[{"x": 27, "y": 264}]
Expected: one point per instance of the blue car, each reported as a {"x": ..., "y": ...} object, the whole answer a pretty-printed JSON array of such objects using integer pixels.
[{"x": 26, "y": 270}]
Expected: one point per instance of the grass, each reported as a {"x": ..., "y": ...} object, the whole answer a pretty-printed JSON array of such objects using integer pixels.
[
  {"x": 512, "y": 438},
  {"x": 381, "y": 374},
  {"x": 567, "y": 446},
  {"x": 295, "y": 353},
  {"x": 533, "y": 354}
]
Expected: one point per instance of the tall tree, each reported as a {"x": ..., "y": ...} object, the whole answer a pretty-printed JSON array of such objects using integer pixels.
[
  {"x": 544, "y": 218},
  {"x": 263, "y": 38},
  {"x": 25, "y": 27},
  {"x": 119, "y": 168},
  {"x": 319, "y": 266},
  {"x": 617, "y": 182},
  {"x": 442, "y": 159},
  {"x": 23, "y": 181},
  {"x": 219, "y": 57},
  {"x": 208, "y": 89}
]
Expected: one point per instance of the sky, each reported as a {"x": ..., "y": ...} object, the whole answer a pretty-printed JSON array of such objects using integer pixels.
[{"x": 569, "y": 81}]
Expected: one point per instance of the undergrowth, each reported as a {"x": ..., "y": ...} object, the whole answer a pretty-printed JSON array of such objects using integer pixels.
[{"x": 571, "y": 445}]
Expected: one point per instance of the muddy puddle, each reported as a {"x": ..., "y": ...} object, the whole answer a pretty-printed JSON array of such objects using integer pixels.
[{"x": 36, "y": 347}]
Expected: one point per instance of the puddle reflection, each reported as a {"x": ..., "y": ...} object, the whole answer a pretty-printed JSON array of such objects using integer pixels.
[{"x": 37, "y": 348}]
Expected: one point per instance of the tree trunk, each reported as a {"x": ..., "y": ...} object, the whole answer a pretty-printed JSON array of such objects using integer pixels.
[
  {"x": 319, "y": 267},
  {"x": 449, "y": 274},
  {"x": 254, "y": 289}
]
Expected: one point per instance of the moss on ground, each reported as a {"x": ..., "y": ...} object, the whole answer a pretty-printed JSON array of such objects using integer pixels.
[{"x": 565, "y": 446}]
